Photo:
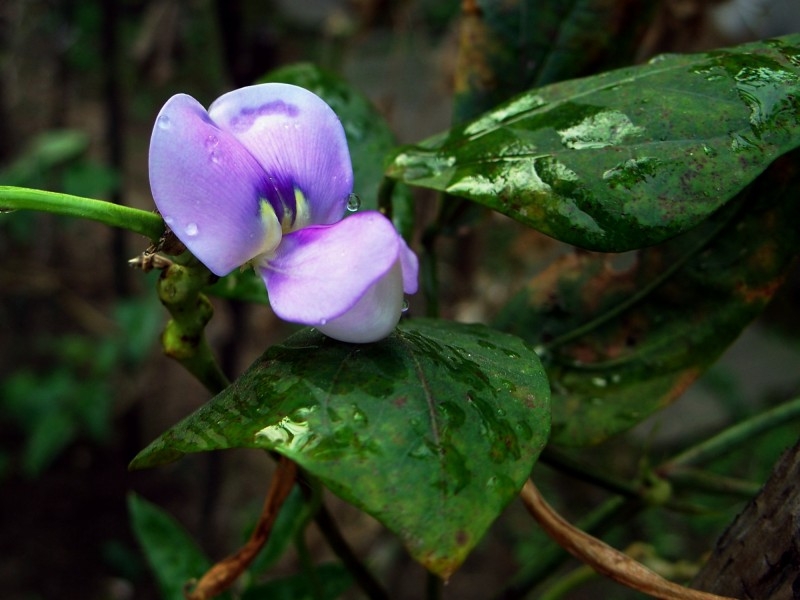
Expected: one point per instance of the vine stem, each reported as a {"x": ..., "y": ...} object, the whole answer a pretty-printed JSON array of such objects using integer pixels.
[
  {"x": 603, "y": 558},
  {"x": 733, "y": 437},
  {"x": 222, "y": 575},
  {"x": 148, "y": 224}
]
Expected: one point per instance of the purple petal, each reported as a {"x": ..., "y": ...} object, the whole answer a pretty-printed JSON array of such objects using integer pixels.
[
  {"x": 208, "y": 188},
  {"x": 299, "y": 142},
  {"x": 376, "y": 313},
  {"x": 410, "y": 268},
  {"x": 319, "y": 273}
]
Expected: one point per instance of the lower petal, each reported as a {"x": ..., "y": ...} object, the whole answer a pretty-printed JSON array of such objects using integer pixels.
[
  {"x": 318, "y": 274},
  {"x": 374, "y": 316}
]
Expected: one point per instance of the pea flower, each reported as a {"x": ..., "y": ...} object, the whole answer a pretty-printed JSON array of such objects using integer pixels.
[{"x": 263, "y": 178}]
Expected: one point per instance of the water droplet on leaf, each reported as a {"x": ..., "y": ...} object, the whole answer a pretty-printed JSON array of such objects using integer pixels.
[
  {"x": 404, "y": 308},
  {"x": 353, "y": 202}
]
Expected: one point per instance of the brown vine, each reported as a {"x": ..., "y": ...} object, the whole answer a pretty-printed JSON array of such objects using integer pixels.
[{"x": 603, "y": 558}]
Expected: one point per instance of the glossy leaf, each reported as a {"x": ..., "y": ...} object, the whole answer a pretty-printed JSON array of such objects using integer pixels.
[
  {"x": 628, "y": 158},
  {"x": 620, "y": 341},
  {"x": 432, "y": 430},
  {"x": 172, "y": 554},
  {"x": 508, "y": 47},
  {"x": 368, "y": 135}
]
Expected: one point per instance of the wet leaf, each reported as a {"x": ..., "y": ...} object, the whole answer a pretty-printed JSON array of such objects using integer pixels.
[
  {"x": 368, "y": 135},
  {"x": 432, "y": 431},
  {"x": 619, "y": 341},
  {"x": 628, "y": 158}
]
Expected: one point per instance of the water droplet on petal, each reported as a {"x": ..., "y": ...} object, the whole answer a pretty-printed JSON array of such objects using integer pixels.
[
  {"x": 323, "y": 321},
  {"x": 168, "y": 220},
  {"x": 215, "y": 157},
  {"x": 212, "y": 142},
  {"x": 353, "y": 202},
  {"x": 164, "y": 122},
  {"x": 191, "y": 229}
]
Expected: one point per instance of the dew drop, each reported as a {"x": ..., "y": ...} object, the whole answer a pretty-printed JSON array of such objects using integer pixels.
[
  {"x": 353, "y": 202},
  {"x": 164, "y": 122},
  {"x": 323, "y": 321},
  {"x": 191, "y": 229},
  {"x": 404, "y": 308},
  {"x": 5, "y": 211},
  {"x": 168, "y": 220},
  {"x": 212, "y": 142},
  {"x": 215, "y": 157}
]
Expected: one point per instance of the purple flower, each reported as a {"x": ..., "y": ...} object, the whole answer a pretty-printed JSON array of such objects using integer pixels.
[{"x": 263, "y": 177}]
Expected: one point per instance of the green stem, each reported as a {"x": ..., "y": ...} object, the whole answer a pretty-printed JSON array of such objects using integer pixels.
[
  {"x": 179, "y": 289},
  {"x": 148, "y": 224},
  {"x": 700, "y": 480},
  {"x": 734, "y": 437}
]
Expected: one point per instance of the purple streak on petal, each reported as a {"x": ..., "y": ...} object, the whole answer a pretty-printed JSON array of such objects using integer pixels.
[
  {"x": 207, "y": 186},
  {"x": 297, "y": 139},
  {"x": 319, "y": 273}
]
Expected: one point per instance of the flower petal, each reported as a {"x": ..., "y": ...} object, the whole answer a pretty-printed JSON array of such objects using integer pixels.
[
  {"x": 208, "y": 188},
  {"x": 319, "y": 273},
  {"x": 375, "y": 315},
  {"x": 410, "y": 268},
  {"x": 299, "y": 142}
]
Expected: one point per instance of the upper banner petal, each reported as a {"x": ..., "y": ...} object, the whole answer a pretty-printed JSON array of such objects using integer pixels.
[
  {"x": 318, "y": 273},
  {"x": 208, "y": 188},
  {"x": 299, "y": 142}
]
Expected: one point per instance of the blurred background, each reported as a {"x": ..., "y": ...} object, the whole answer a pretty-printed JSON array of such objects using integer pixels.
[{"x": 83, "y": 385}]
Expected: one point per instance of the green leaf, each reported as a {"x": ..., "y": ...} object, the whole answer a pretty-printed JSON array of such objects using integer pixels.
[
  {"x": 331, "y": 580},
  {"x": 368, "y": 135},
  {"x": 628, "y": 158},
  {"x": 620, "y": 341},
  {"x": 432, "y": 430},
  {"x": 170, "y": 551},
  {"x": 46, "y": 152}
]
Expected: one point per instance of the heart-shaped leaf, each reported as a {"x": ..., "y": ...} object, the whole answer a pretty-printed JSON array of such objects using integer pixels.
[
  {"x": 432, "y": 430},
  {"x": 628, "y": 158},
  {"x": 620, "y": 341}
]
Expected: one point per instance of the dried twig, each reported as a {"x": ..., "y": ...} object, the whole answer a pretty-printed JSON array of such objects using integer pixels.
[{"x": 222, "y": 575}]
